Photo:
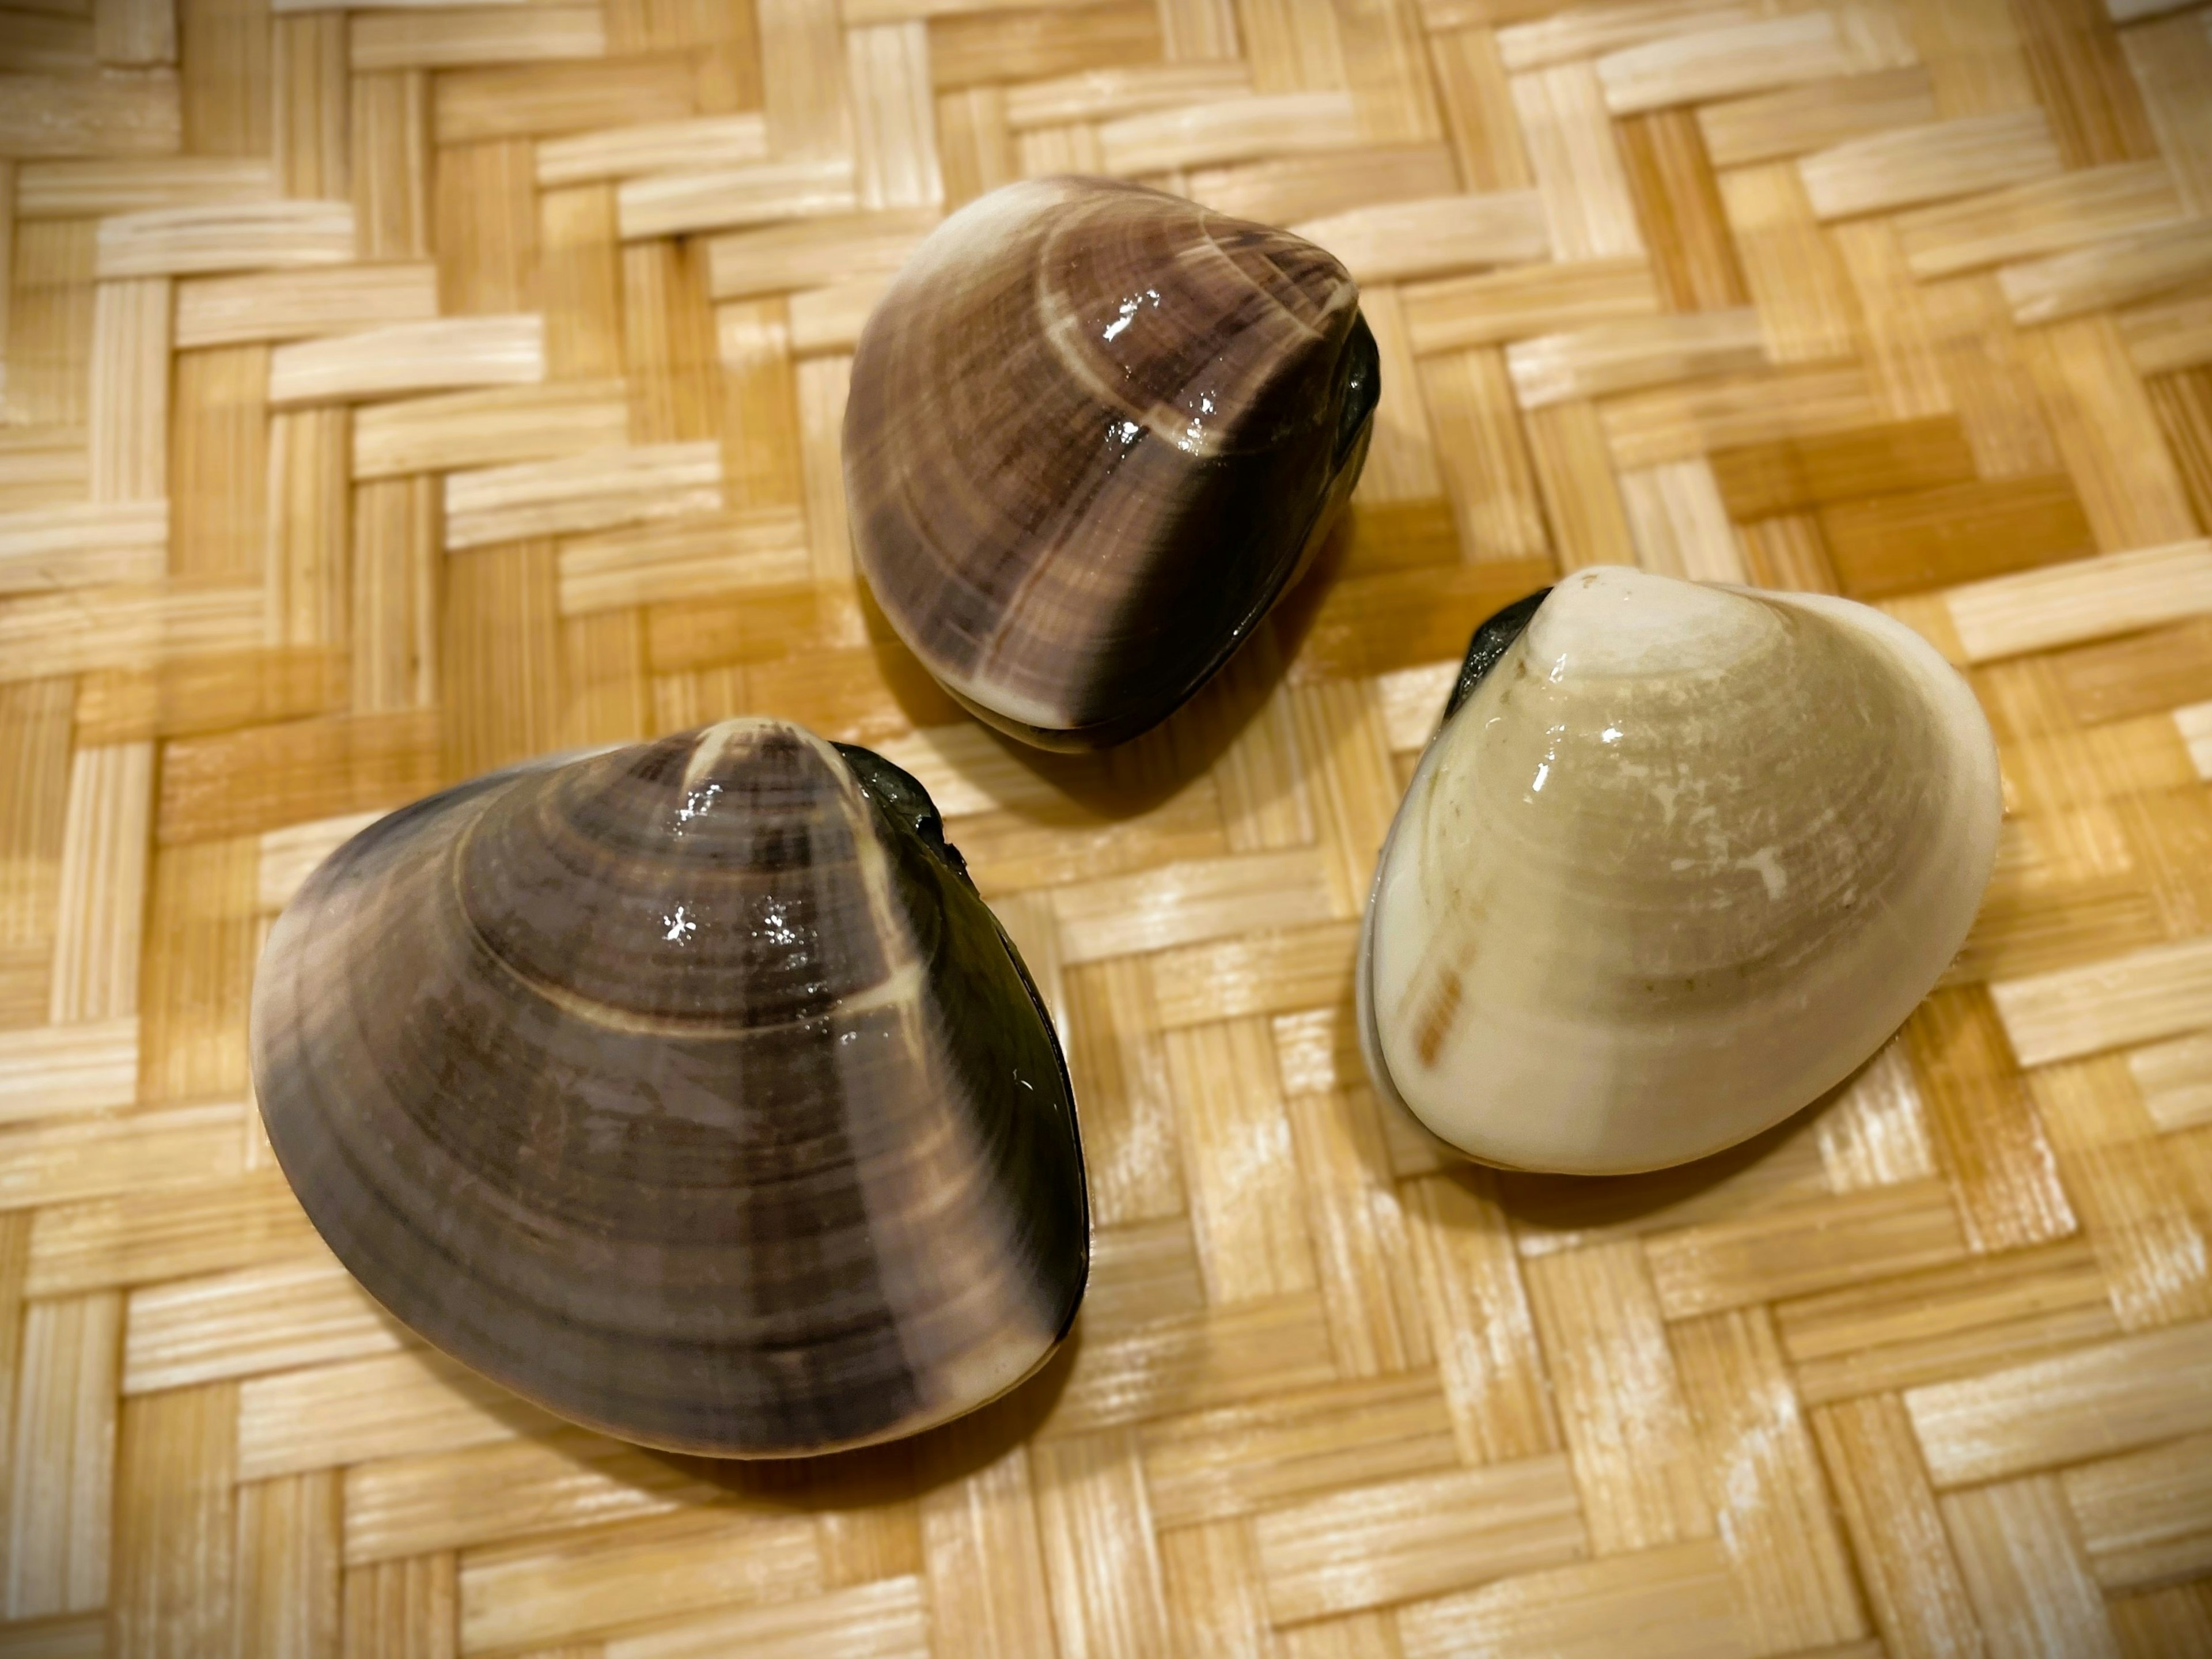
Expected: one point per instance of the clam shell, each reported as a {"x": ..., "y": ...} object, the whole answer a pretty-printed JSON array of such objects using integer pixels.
[
  {"x": 1673, "y": 867},
  {"x": 688, "y": 1090},
  {"x": 1093, "y": 433}
]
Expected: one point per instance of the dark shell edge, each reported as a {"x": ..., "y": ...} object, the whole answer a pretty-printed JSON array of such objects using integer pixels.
[{"x": 1493, "y": 636}]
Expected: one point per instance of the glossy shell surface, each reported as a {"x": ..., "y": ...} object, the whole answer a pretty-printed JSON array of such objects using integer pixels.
[
  {"x": 1094, "y": 432},
  {"x": 1678, "y": 863},
  {"x": 688, "y": 1090}
]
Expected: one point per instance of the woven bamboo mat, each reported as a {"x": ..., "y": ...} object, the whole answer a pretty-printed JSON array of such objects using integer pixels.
[{"x": 394, "y": 393}]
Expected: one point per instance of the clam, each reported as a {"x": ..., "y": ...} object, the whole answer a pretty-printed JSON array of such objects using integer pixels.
[
  {"x": 688, "y": 1090},
  {"x": 1679, "y": 859},
  {"x": 1094, "y": 432}
]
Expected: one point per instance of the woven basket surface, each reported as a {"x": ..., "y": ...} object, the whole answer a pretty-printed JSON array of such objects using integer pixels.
[{"x": 397, "y": 393}]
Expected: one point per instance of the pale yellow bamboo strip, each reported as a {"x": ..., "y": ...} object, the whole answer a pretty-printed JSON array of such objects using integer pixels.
[
  {"x": 97, "y": 186},
  {"x": 2156, "y": 992},
  {"x": 2068, "y": 604},
  {"x": 465, "y": 430},
  {"x": 2175, "y": 1079},
  {"x": 1753, "y": 56},
  {"x": 1780, "y": 126},
  {"x": 1482, "y": 456},
  {"x": 536, "y": 1593},
  {"x": 883, "y": 1619},
  {"x": 802, "y": 59},
  {"x": 127, "y": 423},
  {"x": 1679, "y": 1600},
  {"x": 234, "y": 236},
  {"x": 1976, "y": 57},
  {"x": 1457, "y": 312},
  {"x": 685, "y": 559},
  {"x": 447, "y": 353},
  {"x": 2116, "y": 272},
  {"x": 1218, "y": 1466},
  {"x": 1627, "y": 1430},
  {"x": 1911, "y": 1577},
  {"x": 1573, "y": 456},
  {"x": 1182, "y": 904},
  {"x": 1899, "y": 343},
  {"x": 1401, "y": 240},
  {"x": 1238, "y": 1165},
  {"x": 251, "y": 1323},
  {"x": 2172, "y": 62},
  {"x": 1477, "y": 109},
  {"x": 1550, "y": 35},
  {"x": 1295, "y": 188},
  {"x": 134, "y": 33},
  {"x": 2045, "y": 216},
  {"x": 1233, "y": 129},
  {"x": 2030, "y": 1586},
  {"x": 393, "y": 1405},
  {"x": 289, "y": 1585},
  {"x": 1394, "y": 1541},
  {"x": 826, "y": 320},
  {"x": 894, "y": 117},
  {"x": 1807, "y": 310},
  {"x": 1105, "y": 94},
  {"x": 541, "y": 1484},
  {"x": 134, "y": 1238},
  {"x": 2164, "y": 335},
  {"x": 1100, "y": 1558},
  {"x": 1776, "y": 1530},
  {"x": 1493, "y": 1376},
  {"x": 1624, "y": 356},
  {"x": 2141, "y": 1514},
  {"x": 105, "y": 847},
  {"x": 1570, "y": 150},
  {"x": 804, "y": 254},
  {"x": 441, "y": 39},
  {"x": 1679, "y": 523},
  {"x": 823, "y": 381},
  {"x": 979, "y": 1548},
  {"x": 2195, "y": 723},
  {"x": 53, "y": 1070},
  {"x": 1805, "y": 1247},
  {"x": 1907, "y": 166},
  {"x": 2092, "y": 1402},
  {"x": 66, "y": 1160},
  {"x": 80, "y": 115},
  {"x": 577, "y": 494},
  {"x": 84, "y": 545},
  {"x": 62, "y": 1461},
  {"x": 625, "y": 152},
  {"x": 292, "y": 304},
  {"x": 672, "y": 203}
]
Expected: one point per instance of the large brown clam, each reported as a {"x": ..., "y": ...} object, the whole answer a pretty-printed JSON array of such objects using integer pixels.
[
  {"x": 1679, "y": 859},
  {"x": 688, "y": 1090},
  {"x": 1094, "y": 432}
]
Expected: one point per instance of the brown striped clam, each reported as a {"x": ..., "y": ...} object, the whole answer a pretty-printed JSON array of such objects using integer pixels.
[
  {"x": 1679, "y": 859},
  {"x": 1094, "y": 432},
  {"x": 688, "y": 1088}
]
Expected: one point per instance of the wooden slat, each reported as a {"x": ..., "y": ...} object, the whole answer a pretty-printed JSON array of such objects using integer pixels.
[
  {"x": 595, "y": 490},
  {"x": 2113, "y": 1397},
  {"x": 1398, "y": 1540},
  {"x": 445, "y": 355},
  {"x": 237, "y": 236}
]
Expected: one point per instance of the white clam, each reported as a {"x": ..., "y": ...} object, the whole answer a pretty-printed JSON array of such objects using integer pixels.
[{"x": 1681, "y": 860}]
